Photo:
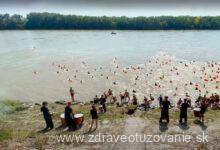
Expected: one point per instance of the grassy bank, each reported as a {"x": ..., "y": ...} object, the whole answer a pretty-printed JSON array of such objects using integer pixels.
[
  {"x": 24, "y": 125},
  {"x": 21, "y": 126},
  {"x": 9, "y": 107}
]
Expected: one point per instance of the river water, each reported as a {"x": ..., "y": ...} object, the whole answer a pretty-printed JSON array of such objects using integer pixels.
[{"x": 26, "y": 57}]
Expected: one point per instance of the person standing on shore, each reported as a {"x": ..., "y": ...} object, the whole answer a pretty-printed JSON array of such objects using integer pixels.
[
  {"x": 146, "y": 104},
  {"x": 102, "y": 102},
  {"x": 47, "y": 116},
  {"x": 122, "y": 98},
  {"x": 72, "y": 94},
  {"x": 165, "y": 110},
  {"x": 183, "y": 111},
  {"x": 69, "y": 116},
  {"x": 94, "y": 115},
  {"x": 204, "y": 106},
  {"x": 127, "y": 96},
  {"x": 160, "y": 99},
  {"x": 151, "y": 97},
  {"x": 96, "y": 99},
  {"x": 134, "y": 100}
]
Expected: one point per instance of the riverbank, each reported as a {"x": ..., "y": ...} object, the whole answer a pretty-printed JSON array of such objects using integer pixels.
[{"x": 22, "y": 129}]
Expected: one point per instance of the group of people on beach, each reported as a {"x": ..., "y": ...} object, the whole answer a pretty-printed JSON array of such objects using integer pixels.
[
  {"x": 126, "y": 99},
  {"x": 68, "y": 115},
  {"x": 201, "y": 104}
]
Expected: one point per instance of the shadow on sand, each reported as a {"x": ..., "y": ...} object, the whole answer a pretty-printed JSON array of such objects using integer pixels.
[
  {"x": 183, "y": 126},
  {"x": 44, "y": 131},
  {"x": 61, "y": 127},
  {"x": 201, "y": 124},
  {"x": 89, "y": 132},
  {"x": 163, "y": 126}
]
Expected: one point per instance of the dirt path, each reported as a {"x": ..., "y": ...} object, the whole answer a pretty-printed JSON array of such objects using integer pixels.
[{"x": 133, "y": 126}]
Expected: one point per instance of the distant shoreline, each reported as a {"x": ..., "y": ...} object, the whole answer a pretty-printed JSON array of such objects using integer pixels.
[{"x": 54, "y": 21}]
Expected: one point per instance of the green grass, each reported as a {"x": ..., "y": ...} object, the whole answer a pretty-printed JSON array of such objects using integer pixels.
[
  {"x": 7, "y": 108},
  {"x": 15, "y": 135},
  {"x": 133, "y": 107},
  {"x": 21, "y": 135},
  {"x": 5, "y": 134},
  {"x": 113, "y": 113},
  {"x": 10, "y": 106}
]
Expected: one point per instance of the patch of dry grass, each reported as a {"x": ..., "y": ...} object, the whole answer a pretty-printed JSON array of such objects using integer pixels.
[
  {"x": 41, "y": 141},
  {"x": 23, "y": 126}
]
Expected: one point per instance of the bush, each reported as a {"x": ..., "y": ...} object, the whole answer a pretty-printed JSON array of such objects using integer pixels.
[{"x": 9, "y": 106}]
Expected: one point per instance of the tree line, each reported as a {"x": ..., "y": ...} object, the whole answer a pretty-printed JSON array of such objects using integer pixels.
[{"x": 59, "y": 21}]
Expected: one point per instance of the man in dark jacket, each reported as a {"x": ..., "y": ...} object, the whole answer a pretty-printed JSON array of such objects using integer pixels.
[
  {"x": 69, "y": 116},
  {"x": 160, "y": 99},
  {"x": 165, "y": 110},
  {"x": 183, "y": 111},
  {"x": 47, "y": 116},
  {"x": 102, "y": 102}
]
